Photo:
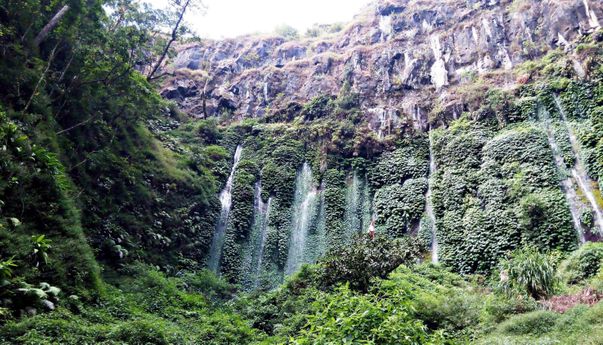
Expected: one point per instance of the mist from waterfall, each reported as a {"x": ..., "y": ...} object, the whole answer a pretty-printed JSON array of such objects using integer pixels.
[
  {"x": 215, "y": 251},
  {"x": 567, "y": 185},
  {"x": 579, "y": 172},
  {"x": 304, "y": 211}
]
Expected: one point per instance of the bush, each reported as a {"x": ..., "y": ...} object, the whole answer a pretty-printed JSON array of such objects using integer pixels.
[
  {"x": 318, "y": 107},
  {"x": 440, "y": 298},
  {"x": 208, "y": 284},
  {"x": 345, "y": 317},
  {"x": 286, "y": 31},
  {"x": 537, "y": 322},
  {"x": 283, "y": 311},
  {"x": 579, "y": 325},
  {"x": 150, "y": 308},
  {"x": 364, "y": 259},
  {"x": 582, "y": 264},
  {"x": 347, "y": 99},
  {"x": 527, "y": 271},
  {"x": 144, "y": 332},
  {"x": 208, "y": 131}
]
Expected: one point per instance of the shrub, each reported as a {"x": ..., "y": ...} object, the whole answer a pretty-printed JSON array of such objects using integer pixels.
[
  {"x": 537, "y": 322},
  {"x": 144, "y": 332},
  {"x": 6, "y": 270},
  {"x": 345, "y": 317},
  {"x": 582, "y": 264},
  {"x": 527, "y": 271},
  {"x": 283, "y": 311},
  {"x": 41, "y": 245},
  {"x": 364, "y": 259},
  {"x": 440, "y": 298},
  {"x": 318, "y": 107},
  {"x": 208, "y": 131},
  {"x": 208, "y": 284},
  {"x": 347, "y": 99},
  {"x": 286, "y": 31},
  {"x": 498, "y": 308}
]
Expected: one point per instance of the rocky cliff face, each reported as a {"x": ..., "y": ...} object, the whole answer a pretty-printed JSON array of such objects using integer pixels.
[{"x": 398, "y": 55}]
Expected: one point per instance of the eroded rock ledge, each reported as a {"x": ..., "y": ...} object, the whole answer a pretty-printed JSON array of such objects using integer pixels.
[{"x": 398, "y": 55}]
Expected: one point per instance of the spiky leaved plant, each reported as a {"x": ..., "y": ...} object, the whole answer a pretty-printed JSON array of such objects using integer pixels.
[{"x": 527, "y": 271}]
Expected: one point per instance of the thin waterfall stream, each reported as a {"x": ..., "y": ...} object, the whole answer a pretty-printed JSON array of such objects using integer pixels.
[
  {"x": 429, "y": 204},
  {"x": 352, "y": 222},
  {"x": 215, "y": 251},
  {"x": 579, "y": 172},
  {"x": 253, "y": 250},
  {"x": 264, "y": 217},
  {"x": 304, "y": 209},
  {"x": 357, "y": 210},
  {"x": 567, "y": 185}
]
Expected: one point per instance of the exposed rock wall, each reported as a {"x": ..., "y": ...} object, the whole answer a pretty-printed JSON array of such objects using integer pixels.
[{"x": 398, "y": 55}]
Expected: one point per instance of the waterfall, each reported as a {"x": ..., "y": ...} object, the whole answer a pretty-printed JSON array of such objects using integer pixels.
[
  {"x": 262, "y": 211},
  {"x": 429, "y": 204},
  {"x": 357, "y": 210},
  {"x": 264, "y": 234},
  {"x": 567, "y": 185},
  {"x": 304, "y": 210},
  {"x": 215, "y": 251},
  {"x": 579, "y": 172},
  {"x": 316, "y": 243},
  {"x": 253, "y": 250},
  {"x": 367, "y": 206},
  {"x": 353, "y": 223}
]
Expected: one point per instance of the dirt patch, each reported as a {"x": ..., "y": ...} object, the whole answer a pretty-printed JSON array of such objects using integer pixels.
[{"x": 561, "y": 304}]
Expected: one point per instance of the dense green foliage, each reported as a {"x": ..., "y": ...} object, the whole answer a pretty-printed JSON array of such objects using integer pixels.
[
  {"x": 580, "y": 325},
  {"x": 529, "y": 272},
  {"x": 367, "y": 258},
  {"x": 79, "y": 164},
  {"x": 146, "y": 308},
  {"x": 582, "y": 264},
  {"x": 35, "y": 220},
  {"x": 496, "y": 191},
  {"x": 109, "y": 202}
]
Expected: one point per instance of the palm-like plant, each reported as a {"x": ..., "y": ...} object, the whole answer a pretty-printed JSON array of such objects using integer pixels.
[
  {"x": 6, "y": 269},
  {"x": 528, "y": 271},
  {"x": 41, "y": 245}
]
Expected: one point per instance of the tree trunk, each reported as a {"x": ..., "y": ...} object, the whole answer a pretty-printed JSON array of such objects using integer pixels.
[
  {"x": 35, "y": 90},
  {"x": 51, "y": 24},
  {"x": 167, "y": 46}
]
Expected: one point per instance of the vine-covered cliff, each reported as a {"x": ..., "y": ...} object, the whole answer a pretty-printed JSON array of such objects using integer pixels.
[
  {"x": 457, "y": 123},
  {"x": 428, "y": 173}
]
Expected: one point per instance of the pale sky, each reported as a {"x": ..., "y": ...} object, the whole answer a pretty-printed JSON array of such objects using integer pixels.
[{"x": 231, "y": 18}]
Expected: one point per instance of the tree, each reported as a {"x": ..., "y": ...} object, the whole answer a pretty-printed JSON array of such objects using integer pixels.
[
  {"x": 51, "y": 24},
  {"x": 286, "y": 31},
  {"x": 134, "y": 29},
  {"x": 180, "y": 8},
  {"x": 365, "y": 258}
]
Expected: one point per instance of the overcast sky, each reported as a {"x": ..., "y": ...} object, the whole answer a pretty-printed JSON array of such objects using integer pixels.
[{"x": 230, "y": 18}]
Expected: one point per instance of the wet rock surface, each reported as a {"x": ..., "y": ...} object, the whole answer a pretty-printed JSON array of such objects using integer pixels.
[{"x": 399, "y": 56}]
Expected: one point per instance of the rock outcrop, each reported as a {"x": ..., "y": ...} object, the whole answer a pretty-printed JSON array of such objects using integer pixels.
[{"x": 398, "y": 55}]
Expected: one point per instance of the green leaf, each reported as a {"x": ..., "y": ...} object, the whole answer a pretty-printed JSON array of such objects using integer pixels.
[{"x": 14, "y": 222}]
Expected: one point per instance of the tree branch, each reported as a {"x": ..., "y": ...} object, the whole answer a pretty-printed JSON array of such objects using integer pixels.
[
  {"x": 77, "y": 125},
  {"x": 172, "y": 39},
  {"x": 35, "y": 90},
  {"x": 51, "y": 24}
]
